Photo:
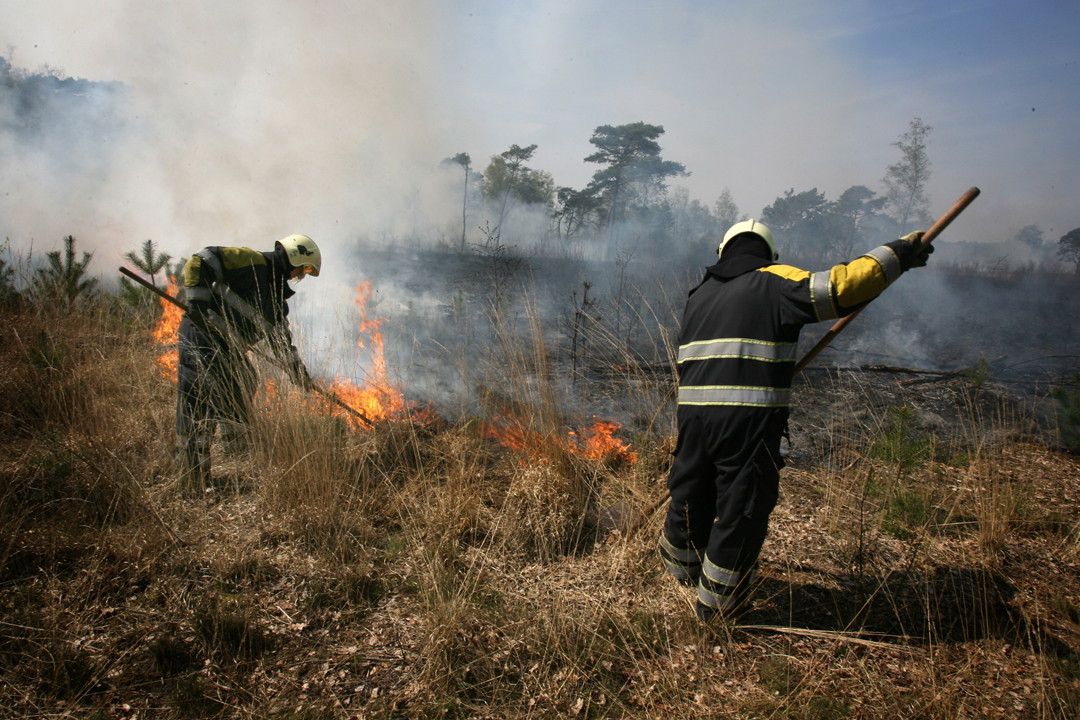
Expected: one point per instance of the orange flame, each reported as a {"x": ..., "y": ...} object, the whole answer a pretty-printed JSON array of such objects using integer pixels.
[
  {"x": 166, "y": 332},
  {"x": 597, "y": 441},
  {"x": 377, "y": 399},
  {"x": 510, "y": 432}
]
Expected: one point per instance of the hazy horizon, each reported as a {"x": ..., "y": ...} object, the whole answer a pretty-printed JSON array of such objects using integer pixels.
[{"x": 250, "y": 121}]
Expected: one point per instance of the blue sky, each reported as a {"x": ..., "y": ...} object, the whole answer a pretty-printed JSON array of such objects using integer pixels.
[
  {"x": 795, "y": 94},
  {"x": 260, "y": 118}
]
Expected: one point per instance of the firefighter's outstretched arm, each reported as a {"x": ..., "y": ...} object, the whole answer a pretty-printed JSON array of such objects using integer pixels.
[{"x": 920, "y": 253}]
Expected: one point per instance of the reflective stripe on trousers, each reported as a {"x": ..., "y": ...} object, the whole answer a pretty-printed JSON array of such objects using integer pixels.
[
  {"x": 684, "y": 564},
  {"x": 724, "y": 589}
]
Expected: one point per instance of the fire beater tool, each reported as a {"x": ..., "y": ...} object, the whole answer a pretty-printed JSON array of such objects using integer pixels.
[
  {"x": 927, "y": 238},
  {"x": 331, "y": 397}
]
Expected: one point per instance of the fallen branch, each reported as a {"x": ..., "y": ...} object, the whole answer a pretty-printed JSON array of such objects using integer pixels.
[
  {"x": 911, "y": 371},
  {"x": 837, "y": 635},
  {"x": 924, "y": 380}
]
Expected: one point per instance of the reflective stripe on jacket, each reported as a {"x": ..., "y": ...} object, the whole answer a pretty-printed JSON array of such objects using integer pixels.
[{"x": 740, "y": 331}]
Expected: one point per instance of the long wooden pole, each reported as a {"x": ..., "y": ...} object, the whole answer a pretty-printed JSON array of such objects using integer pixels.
[
  {"x": 927, "y": 238},
  {"x": 314, "y": 388}
]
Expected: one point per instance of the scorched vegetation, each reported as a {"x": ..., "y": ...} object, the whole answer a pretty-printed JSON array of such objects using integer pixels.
[{"x": 496, "y": 562}]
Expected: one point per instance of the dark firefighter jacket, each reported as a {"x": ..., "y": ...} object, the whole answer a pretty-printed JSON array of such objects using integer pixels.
[
  {"x": 241, "y": 294},
  {"x": 741, "y": 327}
]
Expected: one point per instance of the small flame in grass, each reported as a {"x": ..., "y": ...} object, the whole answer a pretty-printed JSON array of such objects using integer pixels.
[
  {"x": 596, "y": 441},
  {"x": 166, "y": 332},
  {"x": 377, "y": 399},
  {"x": 169, "y": 362},
  {"x": 362, "y": 399},
  {"x": 510, "y": 432}
]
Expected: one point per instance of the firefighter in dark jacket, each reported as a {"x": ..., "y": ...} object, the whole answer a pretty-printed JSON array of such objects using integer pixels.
[
  {"x": 737, "y": 348},
  {"x": 236, "y": 297}
]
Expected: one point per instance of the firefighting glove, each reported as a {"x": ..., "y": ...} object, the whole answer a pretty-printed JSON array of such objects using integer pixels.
[{"x": 914, "y": 257}]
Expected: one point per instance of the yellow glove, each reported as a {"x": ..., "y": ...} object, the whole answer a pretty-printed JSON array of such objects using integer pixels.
[
  {"x": 918, "y": 258},
  {"x": 913, "y": 238}
]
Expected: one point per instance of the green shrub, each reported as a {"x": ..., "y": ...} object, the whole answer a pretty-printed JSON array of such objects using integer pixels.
[
  {"x": 910, "y": 510},
  {"x": 897, "y": 445},
  {"x": 1068, "y": 415},
  {"x": 64, "y": 281},
  {"x": 978, "y": 373}
]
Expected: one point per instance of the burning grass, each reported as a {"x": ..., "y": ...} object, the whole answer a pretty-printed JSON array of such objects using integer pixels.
[
  {"x": 921, "y": 563},
  {"x": 167, "y": 333}
]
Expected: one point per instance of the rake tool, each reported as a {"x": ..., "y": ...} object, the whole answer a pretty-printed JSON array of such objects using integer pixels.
[
  {"x": 328, "y": 395},
  {"x": 927, "y": 238}
]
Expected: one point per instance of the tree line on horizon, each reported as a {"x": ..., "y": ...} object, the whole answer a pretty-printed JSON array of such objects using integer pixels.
[{"x": 626, "y": 208}]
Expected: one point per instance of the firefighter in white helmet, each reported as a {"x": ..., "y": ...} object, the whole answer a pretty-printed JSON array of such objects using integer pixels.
[
  {"x": 236, "y": 297},
  {"x": 737, "y": 347}
]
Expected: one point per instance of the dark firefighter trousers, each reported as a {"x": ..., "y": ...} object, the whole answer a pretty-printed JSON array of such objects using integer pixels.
[
  {"x": 724, "y": 483},
  {"x": 215, "y": 387}
]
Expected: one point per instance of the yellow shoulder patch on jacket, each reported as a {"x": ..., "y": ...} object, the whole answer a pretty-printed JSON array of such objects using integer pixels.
[
  {"x": 192, "y": 271},
  {"x": 240, "y": 257},
  {"x": 786, "y": 271}
]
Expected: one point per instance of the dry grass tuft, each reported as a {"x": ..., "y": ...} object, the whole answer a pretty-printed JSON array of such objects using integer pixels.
[{"x": 544, "y": 512}]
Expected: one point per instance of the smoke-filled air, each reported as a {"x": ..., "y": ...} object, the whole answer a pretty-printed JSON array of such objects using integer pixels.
[{"x": 454, "y": 474}]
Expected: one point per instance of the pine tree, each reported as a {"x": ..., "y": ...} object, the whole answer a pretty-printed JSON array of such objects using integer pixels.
[
  {"x": 64, "y": 279},
  {"x": 151, "y": 262}
]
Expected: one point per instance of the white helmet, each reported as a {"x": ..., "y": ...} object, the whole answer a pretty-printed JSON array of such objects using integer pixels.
[
  {"x": 303, "y": 251},
  {"x": 753, "y": 227}
]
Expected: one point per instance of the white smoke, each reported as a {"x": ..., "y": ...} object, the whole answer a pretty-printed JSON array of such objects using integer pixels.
[{"x": 245, "y": 122}]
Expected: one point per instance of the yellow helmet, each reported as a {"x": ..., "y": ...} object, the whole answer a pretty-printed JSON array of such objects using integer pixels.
[
  {"x": 302, "y": 251},
  {"x": 753, "y": 227}
]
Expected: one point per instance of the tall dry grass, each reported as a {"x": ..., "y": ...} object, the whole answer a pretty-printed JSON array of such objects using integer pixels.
[{"x": 424, "y": 569}]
